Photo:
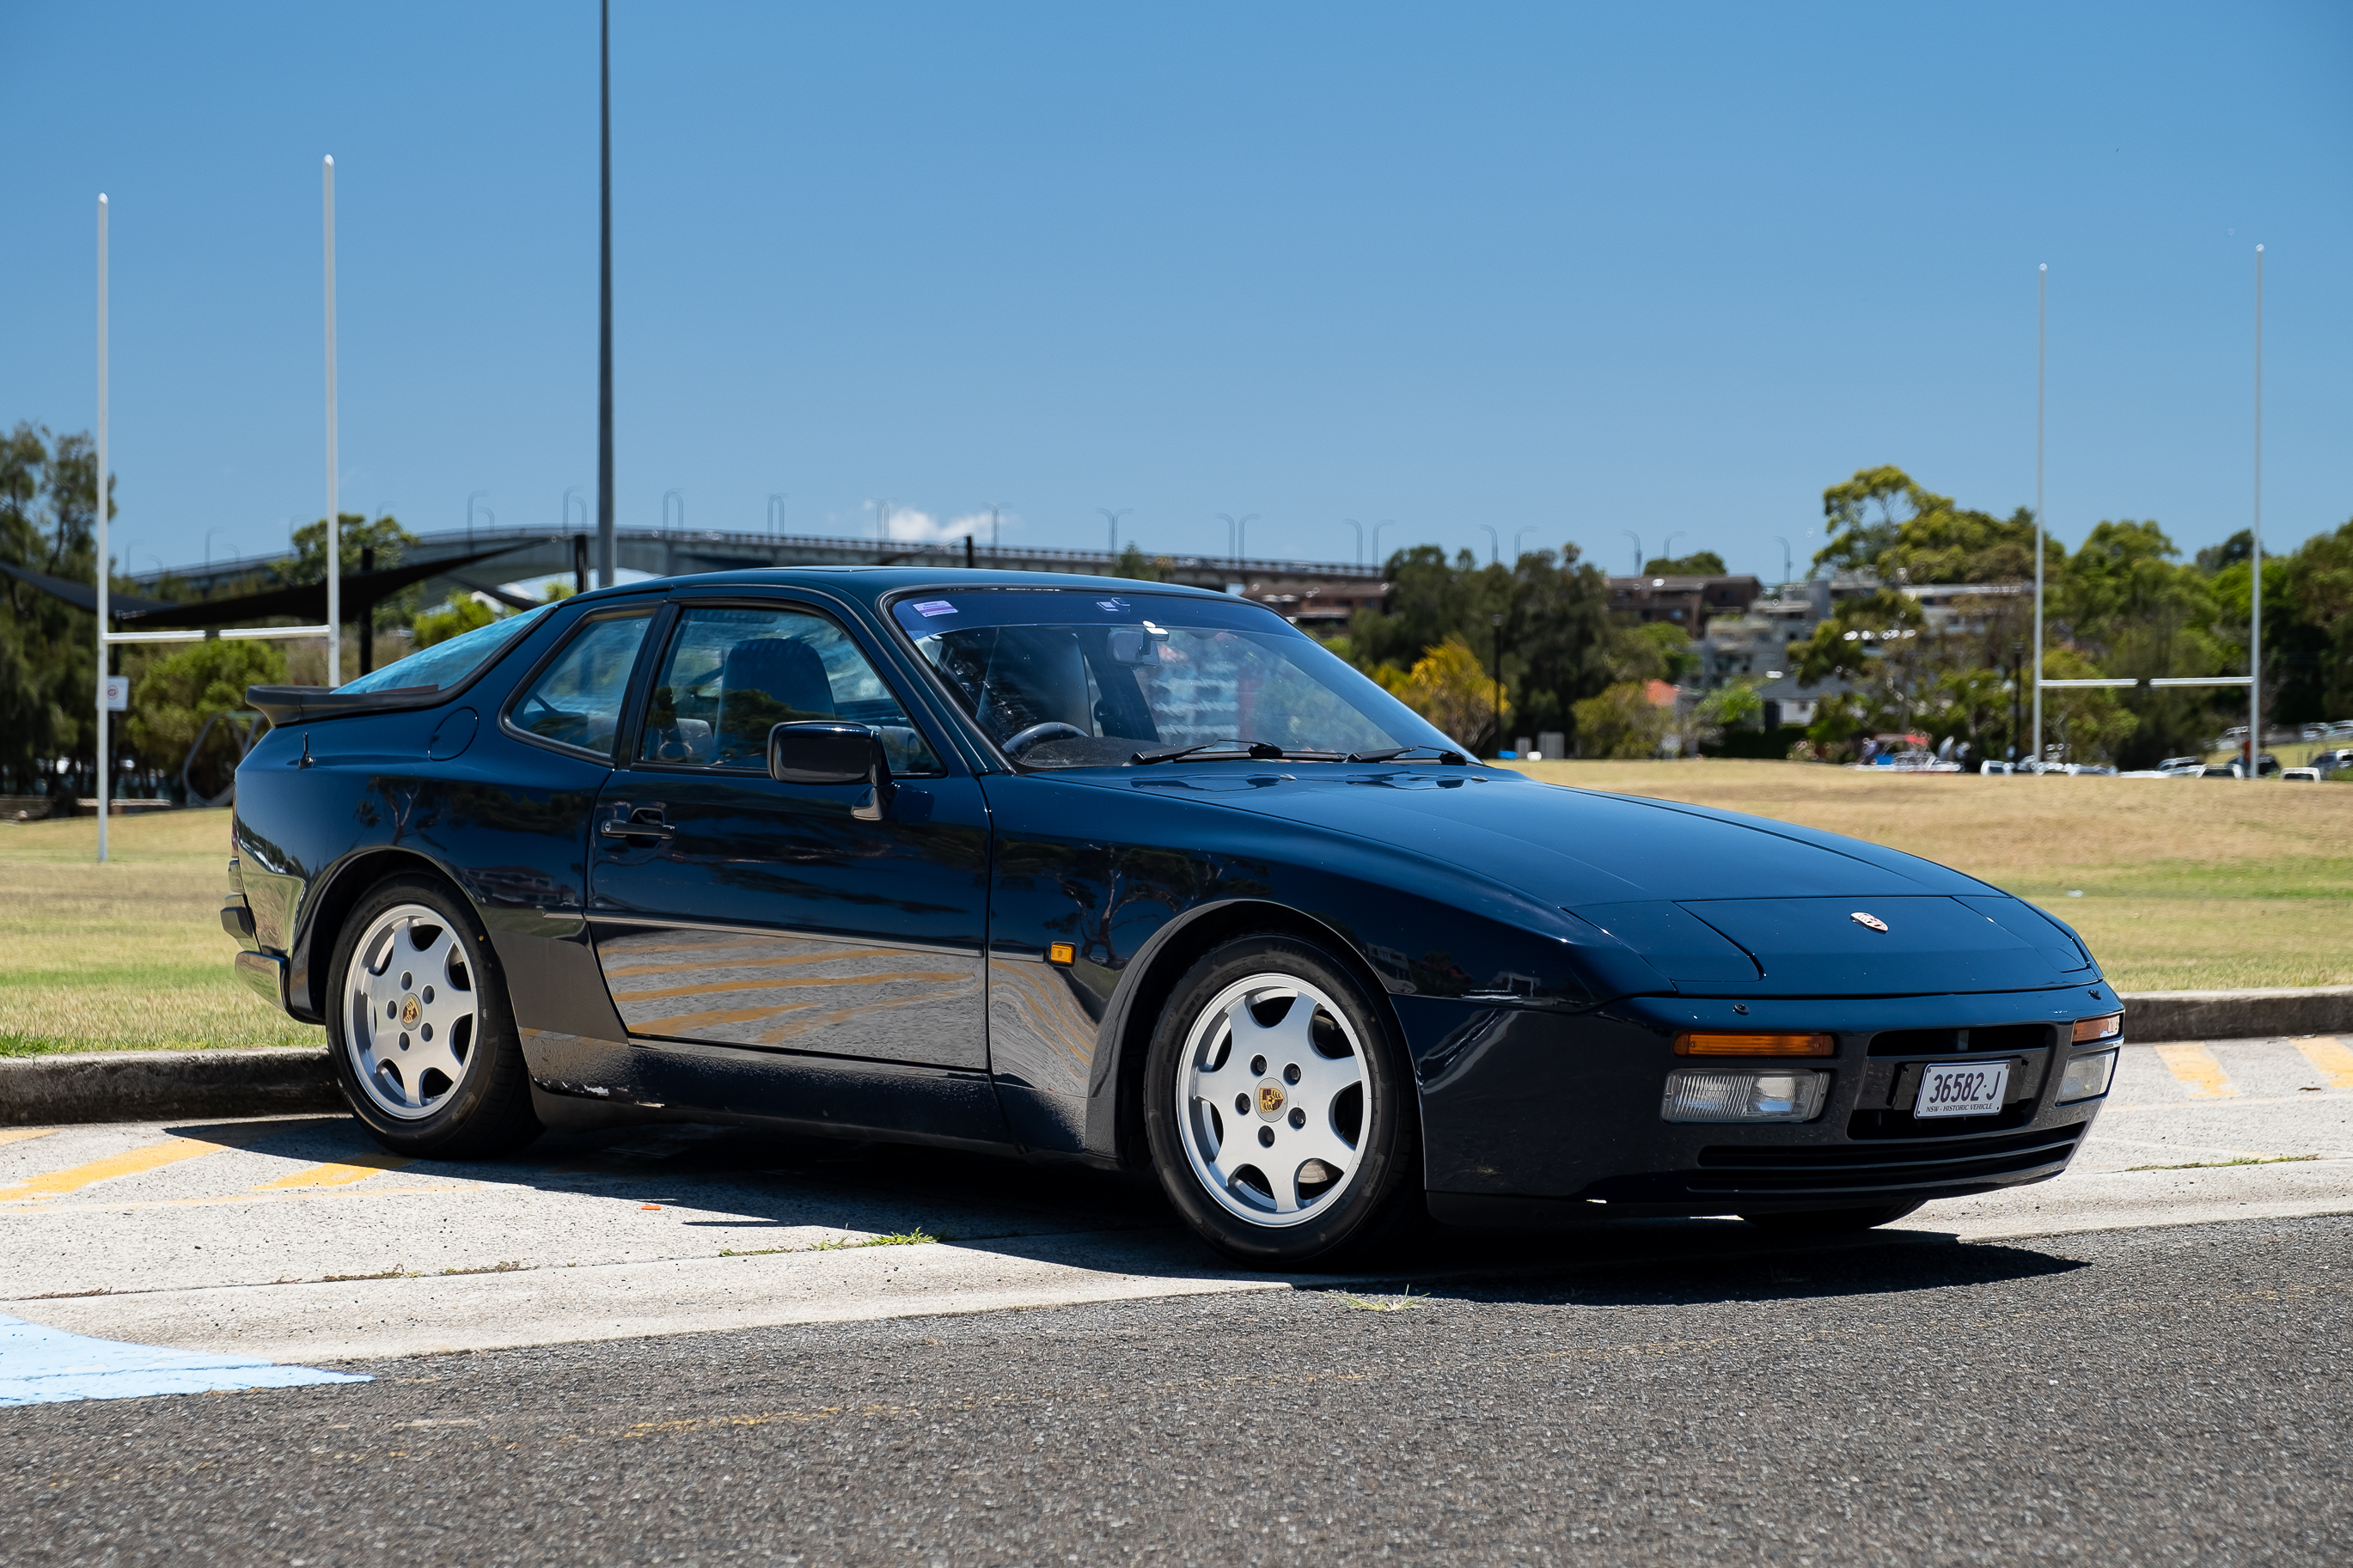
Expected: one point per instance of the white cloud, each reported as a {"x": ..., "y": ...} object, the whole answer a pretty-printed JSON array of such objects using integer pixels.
[{"x": 913, "y": 526}]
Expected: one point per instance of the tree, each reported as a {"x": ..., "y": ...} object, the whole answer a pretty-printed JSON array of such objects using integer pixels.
[
  {"x": 1134, "y": 563},
  {"x": 460, "y": 614},
  {"x": 48, "y": 670},
  {"x": 1555, "y": 634},
  {"x": 1918, "y": 536},
  {"x": 1622, "y": 722},
  {"x": 1450, "y": 687},
  {"x": 177, "y": 693},
  {"x": 1698, "y": 563}
]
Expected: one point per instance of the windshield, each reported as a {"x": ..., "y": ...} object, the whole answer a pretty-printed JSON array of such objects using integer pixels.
[
  {"x": 1073, "y": 679},
  {"x": 445, "y": 664}
]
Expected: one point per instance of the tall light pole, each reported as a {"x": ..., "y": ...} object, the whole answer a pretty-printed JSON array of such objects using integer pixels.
[
  {"x": 680, "y": 497},
  {"x": 1518, "y": 534},
  {"x": 2041, "y": 359},
  {"x": 605, "y": 295},
  {"x": 1667, "y": 550},
  {"x": 1497, "y": 622},
  {"x": 2255, "y": 559},
  {"x": 471, "y": 497},
  {"x": 1386, "y": 522},
  {"x": 776, "y": 513},
  {"x": 1786, "y": 568},
  {"x": 1113, "y": 517},
  {"x": 1494, "y": 544},
  {"x": 1637, "y": 538},
  {"x": 1236, "y": 529},
  {"x": 884, "y": 511},
  {"x": 1359, "y": 527},
  {"x": 335, "y": 519},
  {"x": 103, "y": 490}
]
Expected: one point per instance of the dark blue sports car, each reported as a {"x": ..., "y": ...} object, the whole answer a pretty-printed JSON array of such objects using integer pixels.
[{"x": 1141, "y": 876}]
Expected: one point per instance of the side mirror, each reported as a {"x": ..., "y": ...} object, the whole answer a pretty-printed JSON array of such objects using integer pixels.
[{"x": 831, "y": 752}]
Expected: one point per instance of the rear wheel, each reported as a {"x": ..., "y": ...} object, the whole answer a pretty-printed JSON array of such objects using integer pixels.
[
  {"x": 420, "y": 1030},
  {"x": 1831, "y": 1222},
  {"x": 1282, "y": 1118}
]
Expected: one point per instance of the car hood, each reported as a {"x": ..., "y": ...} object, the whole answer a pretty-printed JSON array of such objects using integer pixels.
[{"x": 1719, "y": 904}]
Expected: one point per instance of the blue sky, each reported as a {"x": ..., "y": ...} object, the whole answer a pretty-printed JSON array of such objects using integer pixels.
[{"x": 1572, "y": 270}]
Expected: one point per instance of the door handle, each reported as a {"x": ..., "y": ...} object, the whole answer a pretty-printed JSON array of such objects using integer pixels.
[{"x": 635, "y": 829}]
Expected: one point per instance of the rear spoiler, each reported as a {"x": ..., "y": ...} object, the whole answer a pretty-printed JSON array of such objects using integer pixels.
[{"x": 292, "y": 704}]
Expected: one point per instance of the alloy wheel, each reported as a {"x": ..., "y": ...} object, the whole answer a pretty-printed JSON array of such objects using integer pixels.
[
  {"x": 411, "y": 1014},
  {"x": 1273, "y": 1099}
]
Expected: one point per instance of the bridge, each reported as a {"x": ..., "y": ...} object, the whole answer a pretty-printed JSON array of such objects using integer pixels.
[{"x": 526, "y": 554}]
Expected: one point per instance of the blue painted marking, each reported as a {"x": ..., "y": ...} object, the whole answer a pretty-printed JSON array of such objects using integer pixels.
[{"x": 48, "y": 1366}]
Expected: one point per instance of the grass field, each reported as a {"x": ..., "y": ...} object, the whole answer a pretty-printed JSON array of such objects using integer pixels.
[
  {"x": 2184, "y": 884},
  {"x": 2191, "y": 884},
  {"x": 128, "y": 955}
]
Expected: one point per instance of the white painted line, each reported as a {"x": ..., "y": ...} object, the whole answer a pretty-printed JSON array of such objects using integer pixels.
[{"x": 42, "y": 1365}]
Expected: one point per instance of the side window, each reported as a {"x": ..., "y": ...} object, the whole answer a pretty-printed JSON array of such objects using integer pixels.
[
  {"x": 577, "y": 699},
  {"x": 733, "y": 673}
]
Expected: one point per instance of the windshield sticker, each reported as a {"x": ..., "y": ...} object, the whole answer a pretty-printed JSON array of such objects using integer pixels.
[
  {"x": 1114, "y": 605},
  {"x": 935, "y": 607}
]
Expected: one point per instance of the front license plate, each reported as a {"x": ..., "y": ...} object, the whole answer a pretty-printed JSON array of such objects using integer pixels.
[{"x": 1975, "y": 1088}]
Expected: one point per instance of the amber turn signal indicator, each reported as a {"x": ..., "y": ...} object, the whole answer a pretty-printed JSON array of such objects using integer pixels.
[
  {"x": 2099, "y": 1029},
  {"x": 1711, "y": 1043},
  {"x": 1060, "y": 952}
]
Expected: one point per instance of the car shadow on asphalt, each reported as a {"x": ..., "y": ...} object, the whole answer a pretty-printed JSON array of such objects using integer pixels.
[{"x": 753, "y": 1186}]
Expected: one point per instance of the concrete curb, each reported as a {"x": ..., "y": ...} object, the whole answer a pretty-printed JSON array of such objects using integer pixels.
[
  {"x": 2237, "y": 1014},
  {"x": 154, "y": 1085},
  {"x": 157, "y": 1086}
]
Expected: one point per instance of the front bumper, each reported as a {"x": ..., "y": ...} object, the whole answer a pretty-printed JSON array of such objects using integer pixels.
[{"x": 1527, "y": 1114}]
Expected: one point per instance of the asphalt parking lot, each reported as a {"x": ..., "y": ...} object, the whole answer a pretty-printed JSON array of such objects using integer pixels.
[{"x": 669, "y": 1342}]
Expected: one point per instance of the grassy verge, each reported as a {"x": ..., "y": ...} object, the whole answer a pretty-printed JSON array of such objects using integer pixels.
[
  {"x": 2178, "y": 884},
  {"x": 129, "y": 956},
  {"x": 2191, "y": 884}
]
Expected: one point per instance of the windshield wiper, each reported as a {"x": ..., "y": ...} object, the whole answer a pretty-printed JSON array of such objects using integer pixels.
[
  {"x": 1256, "y": 750},
  {"x": 1445, "y": 757}
]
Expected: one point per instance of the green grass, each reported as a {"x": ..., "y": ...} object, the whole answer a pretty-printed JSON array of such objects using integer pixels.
[
  {"x": 129, "y": 956},
  {"x": 845, "y": 1244},
  {"x": 2226, "y": 1164},
  {"x": 2187, "y": 885}
]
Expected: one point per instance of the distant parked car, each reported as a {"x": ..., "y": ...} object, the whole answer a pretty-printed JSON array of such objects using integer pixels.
[
  {"x": 2300, "y": 775},
  {"x": 2333, "y": 761},
  {"x": 2187, "y": 767},
  {"x": 1990, "y": 767},
  {"x": 2313, "y": 733},
  {"x": 2342, "y": 729},
  {"x": 2219, "y": 770}
]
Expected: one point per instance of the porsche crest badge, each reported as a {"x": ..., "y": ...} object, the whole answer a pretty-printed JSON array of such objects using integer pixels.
[
  {"x": 1873, "y": 921},
  {"x": 1270, "y": 1099}
]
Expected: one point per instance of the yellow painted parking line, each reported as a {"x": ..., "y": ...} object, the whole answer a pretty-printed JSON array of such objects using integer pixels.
[
  {"x": 2330, "y": 1055},
  {"x": 299, "y": 1195},
  {"x": 338, "y": 1173},
  {"x": 152, "y": 1156},
  {"x": 18, "y": 1135},
  {"x": 2196, "y": 1067}
]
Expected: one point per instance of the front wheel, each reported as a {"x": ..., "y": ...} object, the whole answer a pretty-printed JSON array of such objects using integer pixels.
[
  {"x": 420, "y": 1030},
  {"x": 1281, "y": 1115}
]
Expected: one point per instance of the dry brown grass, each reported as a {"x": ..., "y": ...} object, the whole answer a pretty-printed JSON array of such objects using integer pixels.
[{"x": 2185, "y": 884}]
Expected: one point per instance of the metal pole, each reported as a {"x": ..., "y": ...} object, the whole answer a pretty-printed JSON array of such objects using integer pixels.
[
  {"x": 104, "y": 738},
  {"x": 1359, "y": 527},
  {"x": 1637, "y": 538},
  {"x": 2042, "y": 341},
  {"x": 2255, "y": 562},
  {"x": 1113, "y": 518},
  {"x": 1385, "y": 523},
  {"x": 334, "y": 520},
  {"x": 605, "y": 299},
  {"x": 1785, "y": 567},
  {"x": 1494, "y": 544}
]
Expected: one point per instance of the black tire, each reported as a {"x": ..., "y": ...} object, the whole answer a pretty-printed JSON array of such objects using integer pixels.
[
  {"x": 1376, "y": 1205},
  {"x": 1833, "y": 1222},
  {"x": 487, "y": 1111}
]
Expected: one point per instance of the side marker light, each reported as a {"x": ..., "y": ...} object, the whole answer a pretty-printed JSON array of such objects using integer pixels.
[{"x": 1721, "y": 1042}]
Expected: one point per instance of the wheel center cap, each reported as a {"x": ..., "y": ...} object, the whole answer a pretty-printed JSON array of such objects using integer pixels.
[
  {"x": 410, "y": 1011},
  {"x": 1271, "y": 1099}
]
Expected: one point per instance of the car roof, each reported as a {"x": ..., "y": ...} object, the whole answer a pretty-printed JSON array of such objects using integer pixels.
[{"x": 872, "y": 584}]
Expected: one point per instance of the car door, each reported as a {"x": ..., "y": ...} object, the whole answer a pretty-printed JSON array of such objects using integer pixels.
[{"x": 733, "y": 911}]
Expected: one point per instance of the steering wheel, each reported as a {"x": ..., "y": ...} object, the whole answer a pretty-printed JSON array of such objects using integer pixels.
[{"x": 1052, "y": 729}]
